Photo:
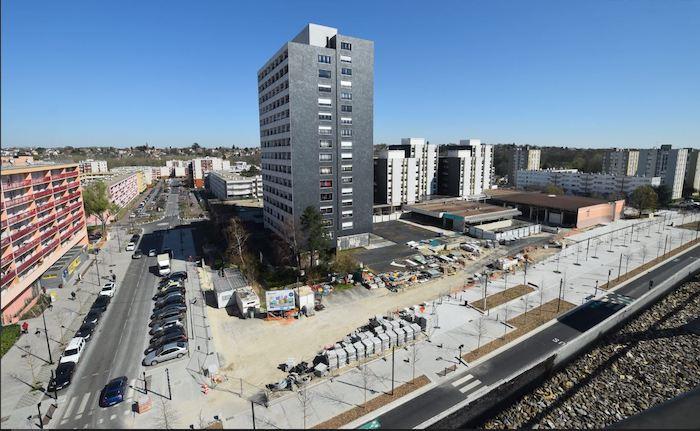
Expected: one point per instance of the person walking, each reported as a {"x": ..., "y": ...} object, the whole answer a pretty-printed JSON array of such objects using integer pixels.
[{"x": 25, "y": 328}]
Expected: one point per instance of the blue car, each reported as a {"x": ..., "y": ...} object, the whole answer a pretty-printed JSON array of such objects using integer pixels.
[{"x": 114, "y": 392}]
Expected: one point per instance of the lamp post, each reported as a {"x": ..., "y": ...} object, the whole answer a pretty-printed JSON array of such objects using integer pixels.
[
  {"x": 41, "y": 421},
  {"x": 596, "y": 289},
  {"x": 46, "y": 333},
  {"x": 459, "y": 358},
  {"x": 607, "y": 285},
  {"x": 619, "y": 268}
]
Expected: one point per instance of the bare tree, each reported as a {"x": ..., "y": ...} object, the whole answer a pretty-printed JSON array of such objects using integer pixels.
[
  {"x": 237, "y": 236},
  {"x": 365, "y": 376},
  {"x": 480, "y": 330},
  {"x": 305, "y": 400},
  {"x": 167, "y": 416},
  {"x": 31, "y": 364},
  {"x": 414, "y": 358}
]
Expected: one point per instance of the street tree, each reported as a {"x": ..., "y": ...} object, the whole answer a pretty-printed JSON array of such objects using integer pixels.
[
  {"x": 314, "y": 237},
  {"x": 644, "y": 198},
  {"x": 551, "y": 189},
  {"x": 167, "y": 416},
  {"x": 305, "y": 398},
  {"x": 664, "y": 195},
  {"x": 237, "y": 236},
  {"x": 96, "y": 202}
]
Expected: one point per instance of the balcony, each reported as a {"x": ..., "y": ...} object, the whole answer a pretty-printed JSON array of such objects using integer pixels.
[
  {"x": 59, "y": 189},
  {"x": 46, "y": 221},
  {"x": 45, "y": 206},
  {"x": 5, "y": 242},
  {"x": 24, "y": 231},
  {"x": 41, "y": 193},
  {"x": 27, "y": 263},
  {"x": 73, "y": 184},
  {"x": 8, "y": 277},
  {"x": 49, "y": 233},
  {"x": 18, "y": 201},
  {"x": 74, "y": 205},
  {"x": 21, "y": 217},
  {"x": 63, "y": 223},
  {"x": 16, "y": 185},
  {"x": 26, "y": 247},
  {"x": 42, "y": 180},
  {"x": 70, "y": 174}
]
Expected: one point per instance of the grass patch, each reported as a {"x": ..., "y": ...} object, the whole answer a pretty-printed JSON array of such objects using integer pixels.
[
  {"x": 691, "y": 226},
  {"x": 502, "y": 297},
  {"x": 8, "y": 336},
  {"x": 523, "y": 323},
  {"x": 373, "y": 404},
  {"x": 343, "y": 286},
  {"x": 278, "y": 277}
]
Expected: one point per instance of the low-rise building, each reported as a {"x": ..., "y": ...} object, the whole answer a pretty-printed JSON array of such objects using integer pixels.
[
  {"x": 226, "y": 185},
  {"x": 42, "y": 218},
  {"x": 581, "y": 183},
  {"x": 90, "y": 166}
]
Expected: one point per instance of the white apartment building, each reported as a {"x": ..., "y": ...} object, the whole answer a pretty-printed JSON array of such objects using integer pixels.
[
  {"x": 692, "y": 170},
  {"x": 201, "y": 166},
  {"x": 158, "y": 172},
  {"x": 621, "y": 162},
  {"x": 466, "y": 169},
  {"x": 406, "y": 173},
  {"x": 522, "y": 158},
  {"x": 667, "y": 163},
  {"x": 147, "y": 172},
  {"x": 227, "y": 185},
  {"x": 581, "y": 183},
  {"x": 90, "y": 166}
]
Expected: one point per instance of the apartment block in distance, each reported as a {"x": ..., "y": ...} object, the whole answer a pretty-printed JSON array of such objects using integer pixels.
[
  {"x": 406, "y": 173},
  {"x": 227, "y": 185},
  {"x": 522, "y": 158},
  {"x": 621, "y": 162},
  {"x": 692, "y": 170},
  {"x": 123, "y": 188},
  {"x": 199, "y": 168},
  {"x": 316, "y": 103},
  {"x": 465, "y": 170},
  {"x": 667, "y": 163},
  {"x": 42, "y": 218},
  {"x": 582, "y": 183},
  {"x": 93, "y": 167}
]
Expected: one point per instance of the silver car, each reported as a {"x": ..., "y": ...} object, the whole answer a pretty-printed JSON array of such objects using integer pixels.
[
  {"x": 165, "y": 324},
  {"x": 165, "y": 353}
]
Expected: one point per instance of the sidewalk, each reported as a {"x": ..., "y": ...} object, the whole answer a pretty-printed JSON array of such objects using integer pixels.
[{"x": 28, "y": 359}]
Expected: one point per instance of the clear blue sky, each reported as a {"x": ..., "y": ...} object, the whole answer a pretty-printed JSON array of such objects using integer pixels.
[{"x": 588, "y": 73}]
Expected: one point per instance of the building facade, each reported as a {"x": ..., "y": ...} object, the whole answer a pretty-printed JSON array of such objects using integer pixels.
[
  {"x": 667, "y": 163},
  {"x": 692, "y": 170},
  {"x": 522, "y": 158},
  {"x": 123, "y": 188},
  {"x": 406, "y": 173},
  {"x": 465, "y": 170},
  {"x": 199, "y": 168},
  {"x": 42, "y": 218},
  {"x": 227, "y": 185},
  {"x": 581, "y": 183},
  {"x": 316, "y": 104},
  {"x": 93, "y": 167},
  {"x": 621, "y": 162}
]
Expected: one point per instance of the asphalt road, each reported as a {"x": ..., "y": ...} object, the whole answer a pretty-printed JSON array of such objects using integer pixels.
[
  {"x": 433, "y": 402},
  {"x": 116, "y": 348}
]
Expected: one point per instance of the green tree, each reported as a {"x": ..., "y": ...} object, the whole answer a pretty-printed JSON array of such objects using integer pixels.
[
  {"x": 663, "y": 194},
  {"x": 344, "y": 262},
  {"x": 314, "y": 239},
  {"x": 251, "y": 172},
  {"x": 643, "y": 198},
  {"x": 551, "y": 189},
  {"x": 96, "y": 202}
]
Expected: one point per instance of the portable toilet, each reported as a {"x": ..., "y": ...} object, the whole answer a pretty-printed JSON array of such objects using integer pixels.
[
  {"x": 392, "y": 337},
  {"x": 416, "y": 330},
  {"x": 369, "y": 346},
  {"x": 378, "y": 330},
  {"x": 360, "y": 348},
  {"x": 395, "y": 324},
  {"x": 400, "y": 336},
  {"x": 362, "y": 335},
  {"x": 369, "y": 334},
  {"x": 332, "y": 359},
  {"x": 384, "y": 338},
  {"x": 342, "y": 355},
  {"x": 376, "y": 345},
  {"x": 386, "y": 324},
  {"x": 409, "y": 333},
  {"x": 352, "y": 353}
]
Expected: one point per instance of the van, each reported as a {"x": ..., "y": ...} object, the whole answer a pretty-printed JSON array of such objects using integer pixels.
[{"x": 73, "y": 351}]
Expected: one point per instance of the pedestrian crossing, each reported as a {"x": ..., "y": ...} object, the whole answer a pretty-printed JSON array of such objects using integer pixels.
[
  {"x": 616, "y": 298},
  {"x": 467, "y": 384},
  {"x": 82, "y": 407}
]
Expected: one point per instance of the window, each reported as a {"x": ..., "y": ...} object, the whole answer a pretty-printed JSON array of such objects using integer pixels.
[
  {"x": 346, "y": 121},
  {"x": 346, "y": 45},
  {"x": 347, "y": 225},
  {"x": 325, "y": 143},
  {"x": 323, "y": 88},
  {"x": 324, "y": 59},
  {"x": 346, "y": 168},
  {"x": 346, "y": 84},
  {"x": 325, "y": 197},
  {"x": 346, "y": 180},
  {"x": 347, "y": 202},
  {"x": 323, "y": 73},
  {"x": 346, "y": 132},
  {"x": 327, "y": 222},
  {"x": 345, "y": 108},
  {"x": 347, "y": 213},
  {"x": 326, "y": 183},
  {"x": 325, "y": 157},
  {"x": 325, "y": 170},
  {"x": 345, "y": 95},
  {"x": 345, "y": 144},
  {"x": 346, "y": 58},
  {"x": 346, "y": 156},
  {"x": 324, "y": 102},
  {"x": 345, "y": 71},
  {"x": 325, "y": 116},
  {"x": 324, "y": 130},
  {"x": 347, "y": 191},
  {"x": 326, "y": 210}
]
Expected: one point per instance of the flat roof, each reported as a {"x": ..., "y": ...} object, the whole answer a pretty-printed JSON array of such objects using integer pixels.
[
  {"x": 234, "y": 281},
  {"x": 233, "y": 176},
  {"x": 470, "y": 211},
  {"x": 8, "y": 169},
  {"x": 119, "y": 178},
  {"x": 563, "y": 202}
]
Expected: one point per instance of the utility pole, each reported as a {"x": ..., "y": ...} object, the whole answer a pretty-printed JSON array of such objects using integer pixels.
[
  {"x": 170, "y": 392},
  {"x": 595, "y": 249},
  {"x": 627, "y": 263},
  {"x": 46, "y": 333},
  {"x": 619, "y": 268},
  {"x": 578, "y": 250},
  {"x": 393, "y": 357},
  {"x": 588, "y": 246},
  {"x": 55, "y": 391},
  {"x": 486, "y": 284},
  {"x": 556, "y": 271},
  {"x": 561, "y": 286},
  {"x": 252, "y": 410},
  {"x": 610, "y": 250},
  {"x": 607, "y": 285},
  {"x": 596, "y": 289},
  {"x": 525, "y": 273}
]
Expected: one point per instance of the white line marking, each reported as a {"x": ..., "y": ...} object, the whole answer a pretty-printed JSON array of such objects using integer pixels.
[
  {"x": 101, "y": 420},
  {"x": 126, "y": 412},
  {"x": 462, "y": 380},
  {"x": 471, "y": 385},
  {"x": 83, "y": 403},
  {"x": 69, "y": 407},
  {"x": 114, "y": 415}
]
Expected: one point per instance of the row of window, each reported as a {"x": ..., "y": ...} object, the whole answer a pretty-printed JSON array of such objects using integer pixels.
[
  {"x": 276, "y": 90},
  {"x": 275, "y": 117},
  {"x": 277, "y": 180},
  {"x": 276, "y": 104},
  {"x": 327, "y": 59},
  {"x": 277, "y": 168},
  {"x": 324, "y": 184},
  {"x": 277, "y": 192},
  {"x": 328, "y": 157},
  {"x": 328, "y": 116},
  {"x": 345, "y": 191},
  {"x": 277, "y": 204},
  {"x": 277, "y": 155},
  {"x": 325, "y": 73},
  {"x": 272, "y": 65},
  {"x": 328, "y": 170},
  {"x": 283, "y": 128},
  {"x": 327, "y": 130},
  {"x": 276, "y": 77},
  {"x": 284, "y": 142}
]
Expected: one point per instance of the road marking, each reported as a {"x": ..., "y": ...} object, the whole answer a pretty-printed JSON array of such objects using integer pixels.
[
  {"x": 126, "y": 412},
  {"x": 462, "y": 380},
  {"x": 471, "y": 385},
  {"x": 69, "y": 407},
  {"x": 101, "y": 420},
  {"x": 83, "y": 403},
  {"x": 114, "y": 415}
]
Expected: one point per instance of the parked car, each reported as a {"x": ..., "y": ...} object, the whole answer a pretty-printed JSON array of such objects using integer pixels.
[
  {"x": 161, "y": 341},
  {"x": 152, "y": 252},
  {"x": 165, "y": 324},
  {"x": 178, "y": 275},
  {"x": 165, "y": 353},
  {"x": 165, "y": 292},
  {"x": 63, "y": 376},
  {"x": 130, "y": 246},
  {"x": 73, "y": 351},
  {"x": 108, "y": 289},
  {"x": 101, "y": 303},
  {"x": 166, "y": 313},
  {"x": 137, "y": 255},
  {"x": 86, "y": 330},
  {"x": 173, "y": 330},
  {"x": 113, "y": 392},
  {"x": 93, "y": 316},
  {"x": 165, "y": 283},
  {"x": 172, "y": 298}
]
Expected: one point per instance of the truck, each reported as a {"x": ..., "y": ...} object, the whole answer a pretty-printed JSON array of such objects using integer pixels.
[{"x": 163, "y": 264}]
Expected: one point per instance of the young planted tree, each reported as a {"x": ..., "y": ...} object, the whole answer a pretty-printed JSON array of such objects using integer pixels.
[
  {"x": 237, "y": 236},
  {"x": 644, "y": 198},
  {"x": 314, "y": 239},
  {"x": 96, "y": 202}
]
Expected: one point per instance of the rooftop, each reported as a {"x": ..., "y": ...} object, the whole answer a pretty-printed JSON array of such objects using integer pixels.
[
  {"x": 232, "y": 176},
  {"x": 468, "y": 210},
  {"x": 563, "y": 202}
]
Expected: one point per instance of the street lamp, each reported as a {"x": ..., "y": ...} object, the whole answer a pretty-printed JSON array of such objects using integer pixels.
[
  {"x": 46, "y": 333},
  {"x": 607, "y": 285},
  {"x": 460, "y": 353}
]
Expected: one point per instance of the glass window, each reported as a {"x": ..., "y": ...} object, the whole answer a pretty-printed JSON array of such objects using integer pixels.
[
  {"x": 346, "y": 108},
  {"x": 346, "y": 84},
  {"x": 325, "y": 143},
  {"x": 346, "y": 180},
  {"x": 347, "y": 191},
  {"x": 346, "y": 45},
  {"x": 326, "y": 183},
  {"x": 347, "y": 213},
  {"x": 345, "y": 144},
  {"x": 324, "y": 102},
  {"x": 325, "y": 197},
  {"x": 345, "y": 95},
  {"x": 325, "y": 157},
  {"x": 347, "y": 121},
  {"x": 346, "y": 132},
  {"x": 345, "y": 71},
  {"x": 327, "y": 222},
  {"x": 324, "y": 130},
  {"x": 347, "y": 225},
  {"x": 346, "y": 58},
  {"x": 324, "y": 88},
  {"x": 346, "y": 168},
  {"x": 326, "y": 210},
  {"x": 346, "y": 156},
  {"x": 323, "y": 73},
  {"x": 325, "y": 170},
  {"x": 324, "y": 59},
  {"x": 325, "y": 116},
  {"x": 347, "y": 202}
]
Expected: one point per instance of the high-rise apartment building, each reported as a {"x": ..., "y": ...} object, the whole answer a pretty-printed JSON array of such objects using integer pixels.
[
  {"x": 667, "y": 163},
  {"x": 692, "y": 170},
  {"x": 466, "y": 169},
  {"x": 316, "y": 103},
  {"x": 406, "y": 173},
  {"x": 42, "y": 218},
  {"x": 522, "y": 158},
  {"x": 620, "y": 162},
  {"x": 199, "y": 168},
  {"x": 90, "y": 166}
]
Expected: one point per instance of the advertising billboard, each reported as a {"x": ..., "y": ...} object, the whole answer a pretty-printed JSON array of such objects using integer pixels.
[{"x": 277, "y": 300}]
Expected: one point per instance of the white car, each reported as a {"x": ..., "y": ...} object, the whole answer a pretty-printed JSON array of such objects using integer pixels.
[
  {"x": 73, "y": 351},
  {"x": 130, "y": 246},
  {"x": 152, "y": 252},
  {"x": 108, "y": 289}
]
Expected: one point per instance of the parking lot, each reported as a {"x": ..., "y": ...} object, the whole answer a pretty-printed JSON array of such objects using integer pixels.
[{"x": 379, "y": 259}]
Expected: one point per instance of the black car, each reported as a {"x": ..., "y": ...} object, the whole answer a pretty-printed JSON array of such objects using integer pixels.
[
  {"x": 135, "y": 237},
  {"x": 86, "y": 330},
  {"x": 101, "y": 303},
  {"x": 176, "y": 330},
  {"x": 93, "y": 316},
  {"x": 159, "y": 316},
  {"x": 168, "y": 291},
  {"x": 178, "y": 275},
  {"x": 173, "y": 298},
  {"x": 165, "y": 339},
  {"x": 63, "y": 376}
]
